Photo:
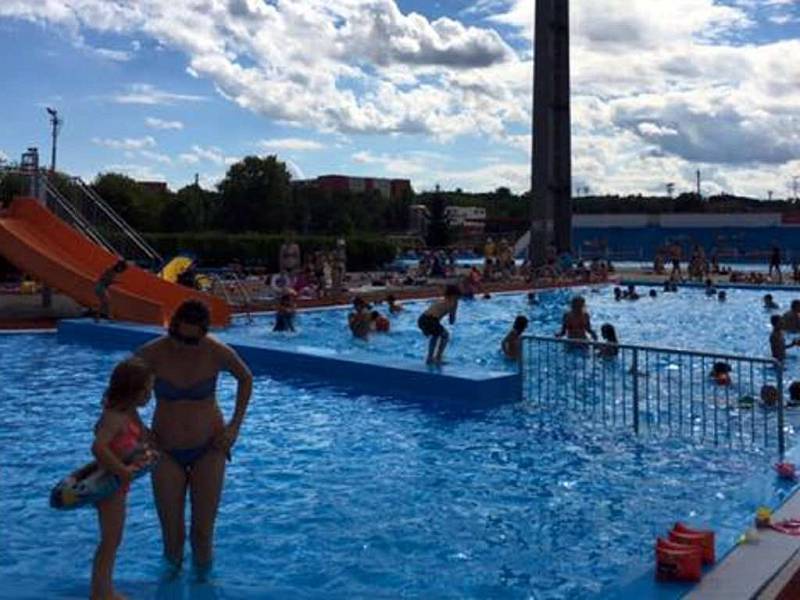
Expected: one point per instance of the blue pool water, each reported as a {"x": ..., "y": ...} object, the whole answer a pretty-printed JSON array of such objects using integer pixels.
[
  {"x": 332, "y": 495},
  {"x": 686, "y": 319}
]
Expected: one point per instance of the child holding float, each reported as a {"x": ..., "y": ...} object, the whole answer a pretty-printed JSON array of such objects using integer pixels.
[{"x": 119, "y": 435}]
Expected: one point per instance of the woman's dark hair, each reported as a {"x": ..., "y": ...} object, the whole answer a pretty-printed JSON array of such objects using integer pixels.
[
  {"x": 775, "y": 320},
  {"x": 127, "y": 380},
  {"x": 191, "y": 312},
  {"x": 720, "y": 367},
  {"x": 520, "y": 323},
  {"x": 609, "y": 333},
  {"x": 452, "y": 290}
]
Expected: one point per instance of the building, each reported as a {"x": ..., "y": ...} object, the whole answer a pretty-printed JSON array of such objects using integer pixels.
[
  {"x": 390, "y": 189},
  {"x": 155, "y": 187},
  {"x": 471, "y": 219}
]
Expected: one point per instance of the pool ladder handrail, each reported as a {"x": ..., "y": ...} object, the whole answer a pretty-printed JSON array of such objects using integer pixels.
[{"x": 238, "y": 286}]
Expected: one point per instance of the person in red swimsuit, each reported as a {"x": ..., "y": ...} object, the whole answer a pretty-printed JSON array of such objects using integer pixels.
[{"x": 118, "y": 433}]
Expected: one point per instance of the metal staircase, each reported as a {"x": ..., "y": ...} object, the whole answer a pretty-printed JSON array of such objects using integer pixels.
[{"x": 78, "y": 204}]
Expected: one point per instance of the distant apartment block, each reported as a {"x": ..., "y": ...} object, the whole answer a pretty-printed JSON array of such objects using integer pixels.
[
  {"x": 470, "y": 218},
  {"x": 392, "y": 189}
]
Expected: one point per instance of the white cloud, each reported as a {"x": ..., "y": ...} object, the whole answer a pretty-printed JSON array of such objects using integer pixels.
[
  {"x": 155, "y": 157},
  {"x": 296, "y": 144},
  {"x": 3, "y": 157},
  {"x": 144, "y": 93},
  {"x": 210, "y": 154},
  {"x": 126, "y": 143},
  {"x": 658, "y": 87},
  {"x": 155, "y": 123},
  {"x": 135, "y": 171}
]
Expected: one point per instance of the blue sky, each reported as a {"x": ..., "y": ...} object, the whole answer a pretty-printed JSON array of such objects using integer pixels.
[{"x": 438, "y": 92}]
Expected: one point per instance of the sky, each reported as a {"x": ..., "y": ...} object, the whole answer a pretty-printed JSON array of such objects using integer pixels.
[{"x": 435, "y": 91}]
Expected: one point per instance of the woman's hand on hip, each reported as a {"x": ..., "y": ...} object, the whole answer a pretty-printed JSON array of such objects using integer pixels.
[{"x": 226, "y": 438}]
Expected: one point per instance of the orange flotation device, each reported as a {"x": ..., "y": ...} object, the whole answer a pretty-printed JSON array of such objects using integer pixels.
[
  {"x": 678, "y": 562},
  {"x": 382, "y": 324},
  {"x": 703, "y": 539}
]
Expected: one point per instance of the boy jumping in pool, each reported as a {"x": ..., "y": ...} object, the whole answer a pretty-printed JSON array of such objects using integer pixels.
[{"x": 430, "y": 324}]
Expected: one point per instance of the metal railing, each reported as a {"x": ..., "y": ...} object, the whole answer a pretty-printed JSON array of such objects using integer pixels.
[
  {"x": 658, "y": 391},
  {"x": 222, "y": 288}
]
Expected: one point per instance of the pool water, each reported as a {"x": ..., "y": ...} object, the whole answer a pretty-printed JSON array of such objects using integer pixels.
[
  {"x": 335, "y": 496},
  {"x": 686, "y": 319}
]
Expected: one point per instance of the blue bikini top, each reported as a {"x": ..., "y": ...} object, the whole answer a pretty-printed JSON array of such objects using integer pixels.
[{"x": 201, "y": 390}]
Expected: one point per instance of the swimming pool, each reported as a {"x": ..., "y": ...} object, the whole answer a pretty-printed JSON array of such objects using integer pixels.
[
  {"x": 332, "y": 495},
  {"x": 686, "y": 319}
]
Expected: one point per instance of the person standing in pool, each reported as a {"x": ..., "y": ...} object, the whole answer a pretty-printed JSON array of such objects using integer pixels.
[
  {"x": 775, "y": 262},
  {"x": 512, "y": 343},
  {"x": 105, "y": 281},
  {"x": 777, "y": 341},
  {"x": 576, "y": 324},
  {"x": 430, "y": 324},
  {"x": 791, "y": 318},
  {"x": 189, "y": 427},
  {"x": 118, "y": 433}
]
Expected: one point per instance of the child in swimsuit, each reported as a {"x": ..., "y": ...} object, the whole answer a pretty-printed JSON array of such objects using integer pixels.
[
  {"x": 118, "y": 434},
  {"x": 394, "y": 307},
  {"x": 430, "y": 324},
  {"x": 359, "y": 320},
  {"x": 284, "y": 316}
]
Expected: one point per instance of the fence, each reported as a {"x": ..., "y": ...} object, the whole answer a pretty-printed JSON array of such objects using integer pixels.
[{"x": 658, "y": 391}]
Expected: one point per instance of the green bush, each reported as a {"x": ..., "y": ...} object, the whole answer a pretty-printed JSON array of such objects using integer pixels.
[{"x": 214, "y": 249}]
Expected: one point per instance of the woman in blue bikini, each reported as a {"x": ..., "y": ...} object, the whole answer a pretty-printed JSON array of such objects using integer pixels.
[{"x": 189, "y": 427}]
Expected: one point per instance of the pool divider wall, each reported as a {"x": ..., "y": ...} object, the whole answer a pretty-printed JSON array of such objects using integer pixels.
[{"x": 456, "y": 385}]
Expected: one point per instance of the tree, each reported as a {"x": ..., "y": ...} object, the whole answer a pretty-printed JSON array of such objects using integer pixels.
[
  {"x": 438, "y": 225},
  {"x": 256, "y": 196},
  {"x": 191, "y": 209}
]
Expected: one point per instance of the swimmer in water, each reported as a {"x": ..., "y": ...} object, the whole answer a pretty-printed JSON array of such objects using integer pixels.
[
  {"x": 791, "y": 318},
  {"x": 653, "y": 294},
  {"x": 631, "y": 293},
  {"x": 710, "y": 291},
  {"x": 359, "y": 320},
  {"x": 777, "y": 341},
  {"x": 722, "y": 296},
  {"x": 769, "y": 303},
  {"x": 284, "y": 316},
  {"x": 576, "y": 324},
  {"x": 610, "y": 349},
  {"x": 430, "y": 324},
  {"x": 617, "y": 294},
  {"x": 512, "y": 343},
  {"x": 394, "y": 307},
  {"x": 532, "y": 298}
]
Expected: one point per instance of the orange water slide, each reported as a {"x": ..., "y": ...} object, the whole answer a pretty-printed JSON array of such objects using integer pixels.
[{"x": 40, "y": 244}]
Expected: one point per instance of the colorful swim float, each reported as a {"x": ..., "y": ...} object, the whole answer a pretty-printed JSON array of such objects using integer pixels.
[{"x": 92, "y": 483}]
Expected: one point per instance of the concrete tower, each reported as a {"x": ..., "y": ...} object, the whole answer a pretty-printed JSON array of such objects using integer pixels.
[{"x": 551, "y": 205}]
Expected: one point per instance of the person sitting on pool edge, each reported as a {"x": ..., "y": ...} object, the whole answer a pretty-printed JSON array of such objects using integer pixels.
[
  {"x": 512, "y": 343},
  {"x": 576, "y": 324},
  {"x": 284, "y": 316},
  {"x": 430, "y": 324},
  {"x": 359, "y": 320},
  {"x": 610, "y": 349},
  {"x": 777, "y": 341},
  {"x": 769, "y": 303}
]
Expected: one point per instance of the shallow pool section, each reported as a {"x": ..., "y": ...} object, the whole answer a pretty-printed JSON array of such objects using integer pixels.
[
  {"x": 686, "y": 319},
  {"x": 332, "y": 495}
]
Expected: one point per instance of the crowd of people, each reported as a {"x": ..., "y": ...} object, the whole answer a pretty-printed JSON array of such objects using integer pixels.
[{"x": 700, "y": 266}]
